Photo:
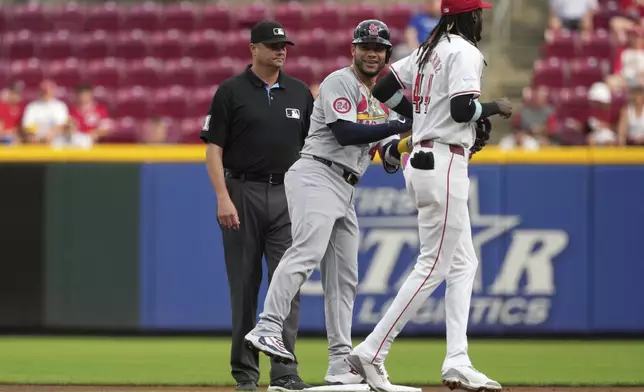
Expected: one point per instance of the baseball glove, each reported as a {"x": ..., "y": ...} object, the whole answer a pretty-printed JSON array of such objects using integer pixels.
[{"x": 483, "y": 128}]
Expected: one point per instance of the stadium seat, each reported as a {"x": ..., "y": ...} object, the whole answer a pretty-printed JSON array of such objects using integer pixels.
[
  {"x": 4, "y": 72},
  {"x": 29, "y": 16},
  {"x": 338, "y": 43},
  {"x": 200, "y": 99},
  {"x": 167, "y": 45},
  {"x": 67, "y": 73},
  {"x": 191, "y": 130},
  {"x": 131, "y": 45},
  {"x": 563, "y": 44},
  {"x": 574, "y": 104},
  {"x": 146, "y": 73},
  {"x": 183, "y": 16},
  {"x": 598, "y": 44},
  {"x": 30, "y": 72},
  {"x": 174, "y": 130},
  {"x": 397, "y": 15},
  {"x": 606, "y": 12},
  {"x": 180, "y": 72},
  {"x": 585, "y": 72},
  {"x": 126, "y": 130},
  {"x": 312, "y": 44},
  {"x": 292, "y": 16},
  {"x": 3, "y": 20},
  {"x": 145, "y": 16},
  {"x": 204, "y": 45},
  {"x": 171, "y": 102},
  {"x": 354, "y": 13},
  {"x": 216, "y": 17},
  {"x": 235, "y": 44},
  {"x": 132, "y": 102},
  {"x": 331, "y": 65},
  {"x": 570, "y": 132},
  {"x": 106, "y": 16},
  {"x": 94, "y": 46},
  {"x": 250, "y": 14},
  {"x": 66, "y": 16},
  {"x": 19, "y": 45},
  {"x": 303, "y": 69},
  {"x": 105, "y": 72},
  {"x": 549, "y": 73},
  {"x": 56, "y": 46},
  {"x": 327, "y": 16},
  {"x": 215, "y": 72},
  {"x": 106, "y": 96}
]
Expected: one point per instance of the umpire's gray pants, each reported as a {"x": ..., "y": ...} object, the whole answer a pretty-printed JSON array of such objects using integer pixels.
[
  {"x": 325, "y": 233},
  {"x": 265, "y": 229}
]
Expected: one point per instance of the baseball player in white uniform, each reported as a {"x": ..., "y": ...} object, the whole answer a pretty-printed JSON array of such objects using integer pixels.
[
  {"x": 348, "y": 126},
  {"x": 444, "y": 74}
]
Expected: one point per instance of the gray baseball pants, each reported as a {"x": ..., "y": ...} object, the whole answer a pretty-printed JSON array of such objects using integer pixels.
[{"x": 325, "y": 234}]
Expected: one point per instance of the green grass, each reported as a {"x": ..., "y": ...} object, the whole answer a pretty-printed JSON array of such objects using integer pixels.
[{"x": 203, "y": 361}]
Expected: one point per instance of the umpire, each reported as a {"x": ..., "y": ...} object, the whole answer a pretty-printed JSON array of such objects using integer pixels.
[{"x": 254, "y": 131}]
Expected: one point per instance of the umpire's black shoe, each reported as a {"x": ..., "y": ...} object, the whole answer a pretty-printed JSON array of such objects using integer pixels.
[
  {"x": 247, "y": 386},
  {"x": 288, "y": 384}
]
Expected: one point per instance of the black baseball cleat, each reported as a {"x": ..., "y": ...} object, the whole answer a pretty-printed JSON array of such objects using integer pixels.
[
  {"x": 288, "y": 384},
  {"x": 247, "y": 386}
]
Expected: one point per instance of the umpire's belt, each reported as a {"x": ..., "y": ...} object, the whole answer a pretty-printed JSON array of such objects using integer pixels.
[
  {"x": 349, "y": 177},
  {"x": 255, "y": 177},
  {"x": 452, "y": 147}
]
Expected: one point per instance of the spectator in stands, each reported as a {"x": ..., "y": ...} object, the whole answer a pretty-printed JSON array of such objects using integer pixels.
[
  {"x": 422, "y": 23},
  {"x": 631, "y": 18},
  {"x": 90, "y": 117},
  {"x": 536, "y": 117},
  {"x": 628, "y": 67},
  {"x": 11, "y": 107},
  {"x": 599, "y": 128},
  {"x": 155, "y": 131},
  {"x": 519, "y": 139},
  {"x": 576, "y": 15},
  {"x": 631, "y": 121},
  {"x": 46, "y": 116},
  {"x": 70, "y": 137}
]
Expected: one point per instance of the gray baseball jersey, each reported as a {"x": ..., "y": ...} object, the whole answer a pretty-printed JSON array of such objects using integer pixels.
[{"x": 343, "y": 97}]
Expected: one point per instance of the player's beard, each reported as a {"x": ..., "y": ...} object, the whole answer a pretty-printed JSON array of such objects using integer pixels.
[{"x": 359, "y": 64}]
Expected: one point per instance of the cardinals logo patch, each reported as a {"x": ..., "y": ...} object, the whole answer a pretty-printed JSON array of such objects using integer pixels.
[{"x": 374, "y": 29}]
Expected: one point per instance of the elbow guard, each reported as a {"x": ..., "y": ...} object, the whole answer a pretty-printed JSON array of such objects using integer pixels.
[
  {"x": 465, "y": 108},
  {"x": 386, "y": 89}
]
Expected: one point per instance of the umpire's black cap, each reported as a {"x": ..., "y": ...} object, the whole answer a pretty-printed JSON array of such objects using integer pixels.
[{"x": 269, "y": 32}]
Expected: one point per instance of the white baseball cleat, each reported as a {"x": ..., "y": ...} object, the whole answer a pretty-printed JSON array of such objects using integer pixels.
[
  {"x": 348, "y": 378},
  {"x": 374, "y": 374},
  {"x": 273, "y": 346},
  {"x": 469, "y": 379}
]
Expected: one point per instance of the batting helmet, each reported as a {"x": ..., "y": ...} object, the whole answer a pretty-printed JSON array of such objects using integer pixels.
[{"x": 373, "y": 30}]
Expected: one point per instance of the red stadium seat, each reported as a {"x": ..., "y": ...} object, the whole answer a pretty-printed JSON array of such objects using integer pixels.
[
  {"x": 67, "y": 16},
  {"x": 215, "y": 72},
  {"x": 586, "y": 72},
  {"x": 93, "y": 46},
  {"x": 171, "y": 102},
  {"x": 146, "y": 73},
  {"x": 145, "y": 16},
  {"x": 131, "y": 45},
  {"x": 598, "y": 44},
  {"x": 605, "y": 14},
  {"x": 56, "y": 46},
  {"x": 216, "y": 17},
  {"x": 355, "y": 13},
  {"x": 106, "y": 72},
  {"x": 549, "y": 73},
  {"x": 4, "y": 73},
  {"x": 67, "y": 73},
  {"x": 126, "y": 130},
  {"x": 30, "y": 17},
  {"x": 133, "y": 102},
  {"x": 30, "y": 72},
  {"x": 563, "y": 44},
  {"x": 292, "y": 16},
  {"x": 339, "y": 44},
  {"x": 332, "y": 65},
  {"x": 570, "y": 132},
  {"x": 191, "y": 130},
  {"x": 397, "y": 15},
  {"x": 325, "y": 15},
  {"x": 250, "y": 14},
  {"x": 180, "y": 72},
  {"x": 303, "y": 69},
  {"x": 183, "y": 16},
  {"x": 235, "y": 45},
  {"x": 3, "y": 20},
  {"x": 19, "y": 45},
  {"x": 574, "y": 104},
  {"x": 106, "y": 96},
  {"x": 106, "y": 16},
  {"x": 200, "y": 99},
  {"x": 312, "y": 44},
  {"x": 167, "y": 44},
  {"x": 204, "y": 45}
]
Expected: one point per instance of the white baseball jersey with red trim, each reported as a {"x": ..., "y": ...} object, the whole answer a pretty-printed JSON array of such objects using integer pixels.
[{"x": 455, "y": 67}]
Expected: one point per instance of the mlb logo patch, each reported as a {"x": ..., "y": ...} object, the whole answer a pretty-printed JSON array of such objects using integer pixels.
[
  {"x": 278, "y": 31},
  {"x": 293, "y": 113}
]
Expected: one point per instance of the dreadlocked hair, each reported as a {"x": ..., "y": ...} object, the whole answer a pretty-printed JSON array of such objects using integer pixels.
[{"x": 461, "y": 24}]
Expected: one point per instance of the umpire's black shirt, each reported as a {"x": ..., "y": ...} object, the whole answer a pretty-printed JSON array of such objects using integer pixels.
[{"x": 260, "y": 130}]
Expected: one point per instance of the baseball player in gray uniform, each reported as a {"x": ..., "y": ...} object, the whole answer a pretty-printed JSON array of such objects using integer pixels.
[{"x": 348, "y": 126}]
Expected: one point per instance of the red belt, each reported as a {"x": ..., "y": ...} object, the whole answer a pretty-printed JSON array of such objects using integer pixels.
[{"x": 452, "y": 147}]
